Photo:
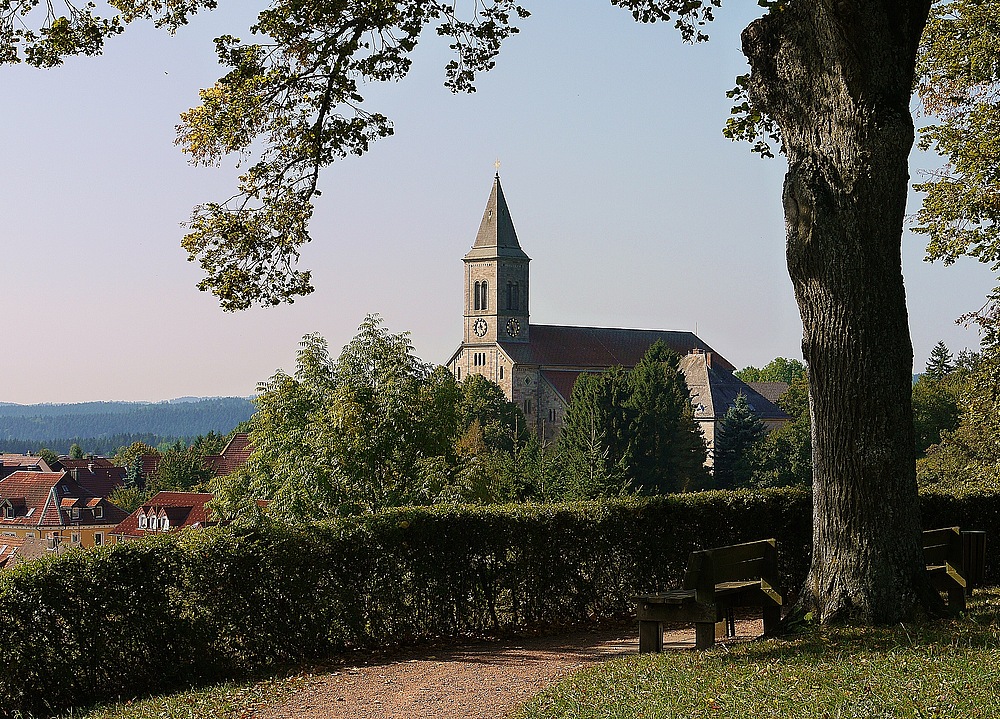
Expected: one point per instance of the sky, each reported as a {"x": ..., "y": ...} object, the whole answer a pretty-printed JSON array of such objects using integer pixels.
[{"x": 634, "y": 208}]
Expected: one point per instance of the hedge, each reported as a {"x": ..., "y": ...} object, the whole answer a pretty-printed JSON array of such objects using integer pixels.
[{"x": 198, "y": 606}]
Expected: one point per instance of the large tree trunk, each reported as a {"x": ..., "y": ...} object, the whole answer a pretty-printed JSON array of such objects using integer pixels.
[{"x": 836, "y": 76}]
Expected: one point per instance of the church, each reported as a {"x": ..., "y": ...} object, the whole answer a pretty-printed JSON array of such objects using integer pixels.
[{"x": 537, "y": 365}]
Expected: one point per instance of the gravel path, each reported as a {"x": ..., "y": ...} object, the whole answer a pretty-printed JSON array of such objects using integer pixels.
[{"x": 488, "y": 680}]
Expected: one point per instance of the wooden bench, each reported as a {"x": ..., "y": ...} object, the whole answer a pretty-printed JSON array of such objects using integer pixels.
[
  {"x": 716, "y": 581},
  {"x": 944, "y": 557}
]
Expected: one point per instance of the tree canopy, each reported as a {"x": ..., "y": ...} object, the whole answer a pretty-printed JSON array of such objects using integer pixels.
[{"x": 780, "y": 369}]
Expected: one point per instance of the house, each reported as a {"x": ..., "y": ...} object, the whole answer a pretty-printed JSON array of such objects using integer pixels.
[
  {"x": 10, "y": 463},
  {"x": 233, "y": 456},
  {"x": 537, "y": 365},
  {"x": 100, "y": 479},
  {"x": 55, "y": 507},
  {"x": 166, "y": 512}
]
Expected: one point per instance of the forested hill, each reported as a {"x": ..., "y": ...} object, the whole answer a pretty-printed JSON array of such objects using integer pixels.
[{"x": 187, "y": 418}]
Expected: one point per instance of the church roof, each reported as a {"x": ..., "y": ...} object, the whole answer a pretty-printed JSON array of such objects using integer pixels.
[
  {"x": 769, "y": 390},
  {"x": 496, "y": 237},
  {"x": 553, "y": 346},
  {"x": 714, "y": 390}
]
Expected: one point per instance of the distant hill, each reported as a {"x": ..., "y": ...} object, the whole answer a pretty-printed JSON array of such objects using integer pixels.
[{"x": 58, "y": 424}]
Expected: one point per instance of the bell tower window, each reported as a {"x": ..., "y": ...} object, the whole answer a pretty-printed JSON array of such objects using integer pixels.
[
  {"x": 482, "y": 303},
  {"x": 475, "y": 292},
  {"x": 513, "y": 296}
]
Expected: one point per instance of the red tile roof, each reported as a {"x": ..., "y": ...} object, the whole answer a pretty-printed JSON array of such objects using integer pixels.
[
  {"x": 233, "y": 456},
  {"x": 10, "y": 463},
  {"x": 183, "y": 509},
  {"x": 68, "y": 463},
  {"x": 46, "y": 499},
  {"x": 9, "y": 546},
  {"x": 554, "y": 346},
  {"x": 100, "y": 481}
]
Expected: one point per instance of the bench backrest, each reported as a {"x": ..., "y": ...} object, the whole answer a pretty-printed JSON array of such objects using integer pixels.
[
  {"x": 944, "y": 546},
  {"x": 735, "y": 563}
]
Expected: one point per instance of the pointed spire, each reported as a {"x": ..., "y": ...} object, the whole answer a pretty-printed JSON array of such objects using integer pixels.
[{"x": 496, "y": 237}]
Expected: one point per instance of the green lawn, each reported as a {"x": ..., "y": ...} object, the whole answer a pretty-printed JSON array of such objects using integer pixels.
[{"x": 940, "y": 669}]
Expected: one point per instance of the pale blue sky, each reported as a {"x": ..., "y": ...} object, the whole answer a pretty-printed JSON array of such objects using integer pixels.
[{"x": 635, "y": 210}]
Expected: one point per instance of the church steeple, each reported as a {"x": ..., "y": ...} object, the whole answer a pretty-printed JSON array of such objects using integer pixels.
[
  {"x": 496, "y": 236},
  {"x": 496, "y": 278}
]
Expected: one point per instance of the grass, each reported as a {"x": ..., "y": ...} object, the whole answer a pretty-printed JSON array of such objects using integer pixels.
[
  {"x": 939, "y": 669},
  {"x": 222, "y": 701}
]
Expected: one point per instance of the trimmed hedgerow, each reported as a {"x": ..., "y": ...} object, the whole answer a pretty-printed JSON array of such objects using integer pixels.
[{"x": 184, "y": 609}]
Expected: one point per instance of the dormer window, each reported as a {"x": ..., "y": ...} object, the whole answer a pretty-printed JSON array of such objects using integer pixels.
[
  {"x": 8, "y": 511},
  {"x": 142, "y": 520},
  {"x": 75, "y": 513},
  {"x": 164, "y": 523},
  {"x": 98, "y": 512}
]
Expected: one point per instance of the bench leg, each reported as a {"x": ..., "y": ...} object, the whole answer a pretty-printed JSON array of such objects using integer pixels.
[
  {"x": 956, "y": 600},
  {"x": 650, "y": 637},
  {"x": 704, "y": 635},
  {"x": 772, "y": 617}
]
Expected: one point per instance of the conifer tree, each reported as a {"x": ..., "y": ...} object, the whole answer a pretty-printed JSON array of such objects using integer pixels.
[
  {"x": 739, "y": 433},
  {"x": 667, "y": 452},
  {"x": 940, "y": 363}
]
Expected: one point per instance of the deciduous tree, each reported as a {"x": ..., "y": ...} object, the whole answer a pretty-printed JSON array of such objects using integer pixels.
[{"x": 780, "y": 369}]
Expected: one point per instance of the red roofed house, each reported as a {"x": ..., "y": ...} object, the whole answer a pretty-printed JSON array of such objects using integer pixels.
[
  {"x": 537, "y": 365},
  {"x": 10, "y": 463},
  {"x": 55, "y": 507},
  {"x": 233, "y": 456},
  {"x": 99, "y": 479},
  {"x": 166, "y": 512}
]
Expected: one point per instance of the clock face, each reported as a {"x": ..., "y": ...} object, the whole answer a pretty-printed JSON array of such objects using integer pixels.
[
  {"x": 513, "y": 327},
  {"x": 480, "y": 327}
]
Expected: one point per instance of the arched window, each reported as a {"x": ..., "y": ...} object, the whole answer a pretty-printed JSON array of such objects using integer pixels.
[
  {"x": 501, "y": 372},
  {"x": 516, "y": 299},
  {"x": 483, "y": 302},
  {"x": 459, "y": 374},
  {"x": 475, "y": 291}
]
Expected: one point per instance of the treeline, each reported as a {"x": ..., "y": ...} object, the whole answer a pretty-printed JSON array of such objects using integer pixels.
[
  {"x": 103, "y": 446},
  {"x": 91, "y": 423}
]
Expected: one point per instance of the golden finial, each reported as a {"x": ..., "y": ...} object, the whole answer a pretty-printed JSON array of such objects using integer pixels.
[{"x": 497, "y": 165}]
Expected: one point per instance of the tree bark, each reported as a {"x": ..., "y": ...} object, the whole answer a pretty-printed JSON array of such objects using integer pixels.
[{"x": 836, "y": 76}]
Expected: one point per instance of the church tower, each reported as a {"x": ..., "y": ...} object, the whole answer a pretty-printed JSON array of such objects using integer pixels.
[{"x": 496, "y": 279}]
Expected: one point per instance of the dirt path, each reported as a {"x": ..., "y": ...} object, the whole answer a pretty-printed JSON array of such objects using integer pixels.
[{"x": 487, "y": 681}]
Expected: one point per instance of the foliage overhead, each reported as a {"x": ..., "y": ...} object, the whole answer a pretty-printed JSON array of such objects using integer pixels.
[
  {"x": 290, "y": 104},
  {"x": 959, "y": 69}
]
